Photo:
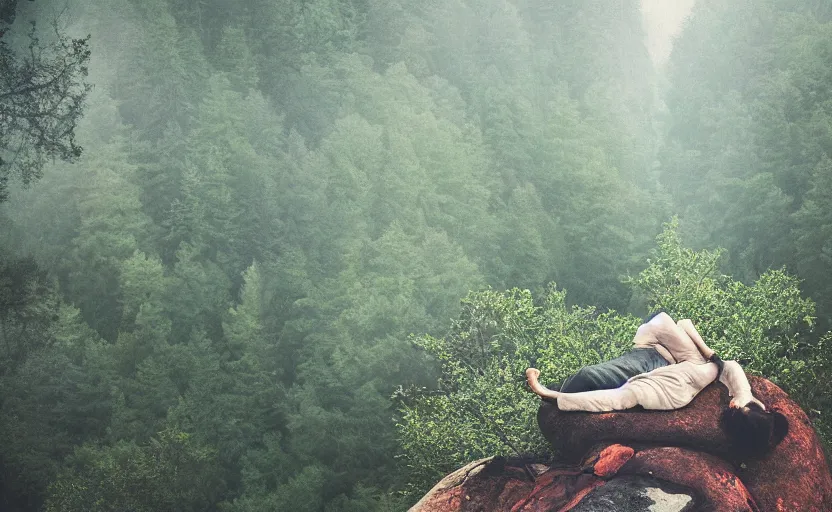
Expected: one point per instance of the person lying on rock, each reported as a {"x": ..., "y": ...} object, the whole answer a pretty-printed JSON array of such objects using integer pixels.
[
  {"x": 669, "y": 366},
  {"x": 658, "y": 342}
]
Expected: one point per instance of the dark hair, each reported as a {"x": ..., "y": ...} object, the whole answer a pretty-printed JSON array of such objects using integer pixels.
[
  {"x": 754, "y": 431},
  {"x": 720, "y": 365}
]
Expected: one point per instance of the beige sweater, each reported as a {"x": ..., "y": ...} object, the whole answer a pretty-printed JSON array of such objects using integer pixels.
[{"x": 670, "y": 340}]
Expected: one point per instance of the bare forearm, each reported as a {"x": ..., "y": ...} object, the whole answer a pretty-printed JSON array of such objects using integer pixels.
[{"x": 736, "y": 381}]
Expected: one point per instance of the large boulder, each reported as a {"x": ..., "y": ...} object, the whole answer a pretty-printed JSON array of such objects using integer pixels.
[
  {"x": 638, "y": 460},
  {"x": 613, "y": 478}
]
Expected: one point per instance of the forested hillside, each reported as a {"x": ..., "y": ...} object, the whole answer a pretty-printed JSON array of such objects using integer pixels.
[
  {"x": 211, "y": 308},
  {"x": 749, "y": 134}
]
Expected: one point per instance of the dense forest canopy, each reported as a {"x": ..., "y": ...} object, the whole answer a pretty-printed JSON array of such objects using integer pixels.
[{"x": 212, "y": 306}]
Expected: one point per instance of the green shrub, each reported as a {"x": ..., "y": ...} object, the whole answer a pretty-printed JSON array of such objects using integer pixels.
[{"x": 481, "y": 406}]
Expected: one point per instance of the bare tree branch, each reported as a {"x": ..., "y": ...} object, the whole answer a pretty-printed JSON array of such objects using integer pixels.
[{"x": 42, "y": 97}]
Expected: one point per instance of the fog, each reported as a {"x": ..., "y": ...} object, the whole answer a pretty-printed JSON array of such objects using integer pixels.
[
  {"x": 663, "y": 21},
  {"x": 233, "y": 297}
]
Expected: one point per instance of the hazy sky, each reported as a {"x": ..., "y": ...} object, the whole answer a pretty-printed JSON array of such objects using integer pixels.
[{"x": 663, "y": 19}]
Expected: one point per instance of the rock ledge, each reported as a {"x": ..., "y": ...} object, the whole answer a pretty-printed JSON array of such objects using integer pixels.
[{"x": 668, "y": 461}]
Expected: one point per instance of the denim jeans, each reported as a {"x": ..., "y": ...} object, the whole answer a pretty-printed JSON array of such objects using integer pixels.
[{"x": 614, "y": 373}]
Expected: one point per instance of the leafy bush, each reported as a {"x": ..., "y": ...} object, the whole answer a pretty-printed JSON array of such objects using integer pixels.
[
  {"x": 481, "y": 406},
  {"x": 171, "y": 472}
]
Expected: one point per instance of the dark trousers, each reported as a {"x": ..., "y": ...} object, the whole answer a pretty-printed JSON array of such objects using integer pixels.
[{"x": 613, "y": 374}]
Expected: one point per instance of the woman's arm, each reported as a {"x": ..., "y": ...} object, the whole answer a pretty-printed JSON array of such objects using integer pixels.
[
  {"x": 735, "y": 380},
  {"x": 672, "y": 337},
  {"x": 691, "y": 331}
]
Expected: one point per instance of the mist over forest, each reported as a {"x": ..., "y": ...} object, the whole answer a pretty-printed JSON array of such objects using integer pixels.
[{"x": 212, "y": 306}]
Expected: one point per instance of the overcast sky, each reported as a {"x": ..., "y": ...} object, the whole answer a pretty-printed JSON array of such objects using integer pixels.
[{"x": 663, "y": 19}]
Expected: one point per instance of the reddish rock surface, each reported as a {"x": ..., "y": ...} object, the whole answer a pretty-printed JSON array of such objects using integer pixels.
[
  {"x": 682, "y": 451},
  {"x": 714, "y": 479},
  {"x": 794, "y": 476},
  {"x": 493, "y": 484},
  {"x": 486, "y": 484},
  {"x": 498, "y": 485}
]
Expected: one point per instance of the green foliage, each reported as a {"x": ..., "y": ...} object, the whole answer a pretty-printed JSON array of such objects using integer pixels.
[
  {"x": 27, "y": 301},
  {"x": 170, "y": 472},
  {"x": 482, "y": 407},
  {"x": 759, "y": 323},
  {"x": 813, "y": 235},
  {"x": 143, "y": 285},
  {"x": 748, "y": 138},
  {"x": 200, "y": 293},
  {"x": 767, "y": 326},
  {"x": 526, "y": 241},
  {"x": 234, "y": 57},
  {"x": 274, "y": 194},
  {"x": 243, "y": 330},
  {"x": 54, "y": 398},
  {"x": 162, "y": 72}
]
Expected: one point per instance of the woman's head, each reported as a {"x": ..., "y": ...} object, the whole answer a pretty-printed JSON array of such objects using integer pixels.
[{"x": 754, "y": 431}]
